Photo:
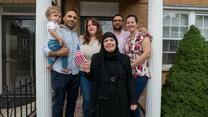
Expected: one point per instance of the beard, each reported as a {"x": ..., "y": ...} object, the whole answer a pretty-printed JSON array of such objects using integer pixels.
[{"x": 117, "y": 28}]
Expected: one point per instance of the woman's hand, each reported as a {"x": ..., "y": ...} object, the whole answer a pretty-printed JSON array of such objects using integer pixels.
[
  {"x": 86, "y": 67},
  {"x": 133, "y": 107}
]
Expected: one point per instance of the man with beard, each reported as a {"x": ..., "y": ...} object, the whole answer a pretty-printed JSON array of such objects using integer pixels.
[
  {"x": 65, "y": 83},
  {"x": 121, "y": 34}
]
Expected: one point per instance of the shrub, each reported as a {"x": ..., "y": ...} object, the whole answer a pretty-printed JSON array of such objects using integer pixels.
[{"x": 185, "y": 93}]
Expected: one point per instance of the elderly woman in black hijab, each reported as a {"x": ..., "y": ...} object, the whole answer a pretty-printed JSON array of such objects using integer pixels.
[{"x": 113, "y": 88}]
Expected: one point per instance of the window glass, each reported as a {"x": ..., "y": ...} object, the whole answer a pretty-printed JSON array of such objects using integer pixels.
[
  {"x": 199, "y": 21},
  {"x": 174, "y": 32},
  {"x": 175, "y": 19},
  {"x": 18, "y": 47},
  {"x": 166, "y": 31},
  {"x": 206, "y": 21},
  {"x": 206, "y": 33},
  {"x": 174, "y": 27},
  {"x": 166, "y": 19},
  {"x": 106, "y": 26},
  {"x": 184, "y": 19},
  {"x": 168, "y": 58},
  {"x": 174, "y": 45},
  {"x": 183, "y": 30},
  {"x": 202, "y": 24},
  {"x": 166, "y": 45}
]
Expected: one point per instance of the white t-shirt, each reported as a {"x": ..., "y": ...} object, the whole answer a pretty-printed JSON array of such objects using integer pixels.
[
  {"x": 54, "y": 26},
  {"x": 89, "y": 49}
]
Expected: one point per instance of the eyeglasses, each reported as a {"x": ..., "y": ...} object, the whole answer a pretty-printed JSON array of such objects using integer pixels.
[{"x": 117, "y": 20}]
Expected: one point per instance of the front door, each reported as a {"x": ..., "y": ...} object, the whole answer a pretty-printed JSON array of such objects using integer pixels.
[{"x": 18, "y": 48}]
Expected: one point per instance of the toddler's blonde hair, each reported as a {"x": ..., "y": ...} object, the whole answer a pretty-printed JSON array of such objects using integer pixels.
[{"x": 52, "y": 9}]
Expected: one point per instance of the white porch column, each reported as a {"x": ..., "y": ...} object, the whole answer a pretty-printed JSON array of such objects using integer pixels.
[
  {"x": 155, "y": 20},
  {"x": 1, "y": 76},
  {"x": 43, "y": 84}
]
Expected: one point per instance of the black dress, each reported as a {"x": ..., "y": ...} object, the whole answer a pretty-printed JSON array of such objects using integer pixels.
[{"x": 113, "y": 87}]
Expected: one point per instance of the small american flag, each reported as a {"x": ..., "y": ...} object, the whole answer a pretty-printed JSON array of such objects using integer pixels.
[{"x": 79, "y": 57}]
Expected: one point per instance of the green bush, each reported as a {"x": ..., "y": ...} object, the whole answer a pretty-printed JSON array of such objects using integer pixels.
[{"x": 185, "y": 93}]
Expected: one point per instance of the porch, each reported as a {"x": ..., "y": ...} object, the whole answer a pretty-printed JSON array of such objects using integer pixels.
[{"x": 155, "y": 9}]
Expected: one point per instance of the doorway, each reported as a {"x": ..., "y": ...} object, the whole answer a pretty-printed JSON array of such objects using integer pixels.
[{"x": 18, "y": 48}]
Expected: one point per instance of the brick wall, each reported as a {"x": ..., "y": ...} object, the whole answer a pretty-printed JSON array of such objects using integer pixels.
[
  {"x": 17, "y": 1},
  {"x": 140, "y": 9},
  {"x": 187, "y": 2}
]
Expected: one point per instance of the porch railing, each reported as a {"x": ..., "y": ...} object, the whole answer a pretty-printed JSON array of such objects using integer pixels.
[{"x": 18, "y": 99}]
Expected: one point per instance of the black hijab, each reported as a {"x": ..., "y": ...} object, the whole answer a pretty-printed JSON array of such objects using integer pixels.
[
  {"x": 115, "y": 54},
  {"x": 103, "y": 56},
  {"x": 101, "y": 76}
]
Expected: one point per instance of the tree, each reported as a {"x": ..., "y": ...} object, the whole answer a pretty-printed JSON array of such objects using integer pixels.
[{"x": 185, "y": 93}]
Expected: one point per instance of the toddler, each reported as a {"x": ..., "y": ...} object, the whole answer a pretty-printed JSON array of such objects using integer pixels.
[{"x": 56, "y": 41}]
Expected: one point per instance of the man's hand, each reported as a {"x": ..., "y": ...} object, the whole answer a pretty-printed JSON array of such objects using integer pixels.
[{"x": 62, "y": 52}]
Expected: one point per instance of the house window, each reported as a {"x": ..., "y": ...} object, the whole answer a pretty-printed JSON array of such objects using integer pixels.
[
  {"x": 175, "y": 25},
  {"x": 18, "y": 48},
  {"x": 202, "y": 24},
  {"x": 17, "y": 43}
]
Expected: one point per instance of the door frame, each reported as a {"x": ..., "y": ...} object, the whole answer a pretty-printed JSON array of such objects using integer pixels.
[
  {"x": 1, "y": 51},
  {"x": 1, "y": 54}
]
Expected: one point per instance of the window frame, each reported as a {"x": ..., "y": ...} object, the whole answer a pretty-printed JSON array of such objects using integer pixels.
[
  {"x": 202, "y": 14},
  {"x": 192, "y": 14}
]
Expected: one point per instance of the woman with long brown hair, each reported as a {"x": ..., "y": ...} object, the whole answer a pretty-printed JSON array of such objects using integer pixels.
[{"x": 90, "y": 44}]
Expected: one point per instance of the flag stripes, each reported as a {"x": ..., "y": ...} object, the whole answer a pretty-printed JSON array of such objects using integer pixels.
[{"x": 79, "y": 57}]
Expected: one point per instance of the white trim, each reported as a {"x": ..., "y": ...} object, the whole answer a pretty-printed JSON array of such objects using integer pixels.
[
  {"x": 172, "y": 39},
  {"x": 43, "y": 84},
  {"x": 185, "y": 8},
  {"x": 1, "y": 77},
  {"x": 155, "y": 26},
  {"x": 192, "y": 18}
]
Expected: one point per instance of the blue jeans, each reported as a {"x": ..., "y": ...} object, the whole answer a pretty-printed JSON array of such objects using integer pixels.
[
  {"x": 55, "y": 46},
  {"x": 141, "y": 83},
  {"x": 63, "y": 84},
  {"x": 85, "y": 86}
]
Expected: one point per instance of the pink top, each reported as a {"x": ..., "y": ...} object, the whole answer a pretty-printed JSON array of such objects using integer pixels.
[
  {"x": 134, "y": 50},
  {"x": 122, "y": 37}
]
